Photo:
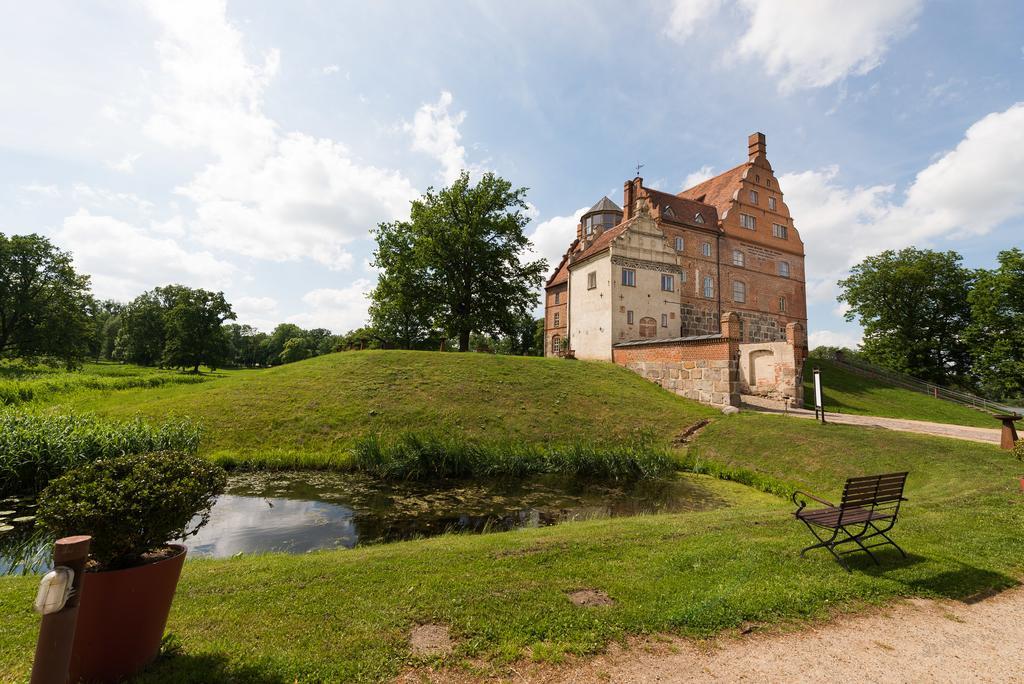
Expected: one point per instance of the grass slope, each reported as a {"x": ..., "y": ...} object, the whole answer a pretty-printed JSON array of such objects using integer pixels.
[
  {"x": 345, "y": 615},
  {"x": 309, "y": 412},
  {"x": 848, "y": 392}
]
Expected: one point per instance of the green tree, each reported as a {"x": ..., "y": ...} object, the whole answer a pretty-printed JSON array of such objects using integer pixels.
[
  {"x": 143, "y": 331},
  {"x": 295, "y": 349},
  {"x": 44, "y": 303},
  {"x": 912, "y": 305},
  {"x": 279, "y": 337},
  {"x": 460, "y": 254},
  {"x": 194, "y": 330},
  {"x": 996, "y": 332},
  {"x": 401, "y": 303}
]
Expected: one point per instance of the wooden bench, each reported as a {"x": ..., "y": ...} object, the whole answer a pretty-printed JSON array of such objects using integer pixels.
[{"x": 869, "y": 509}]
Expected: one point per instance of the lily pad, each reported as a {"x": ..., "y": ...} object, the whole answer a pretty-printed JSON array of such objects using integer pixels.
[
  {"x": 7, "y": 512},
  {"x": 6, "y": 528},
  {"x": 24, "y": 519}
]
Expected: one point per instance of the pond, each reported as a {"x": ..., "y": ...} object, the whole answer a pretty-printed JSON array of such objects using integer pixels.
[{"x": 297, "y": 512}]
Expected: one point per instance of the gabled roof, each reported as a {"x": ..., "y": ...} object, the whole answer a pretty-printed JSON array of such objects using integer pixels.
[
  {"x": 605, "y": 204},
  {"x": 717, "y": 191},
  {"x": 561, "y": 273},
  {"x": 684, "y": 210},
  {"x": 601, "y": 243}
]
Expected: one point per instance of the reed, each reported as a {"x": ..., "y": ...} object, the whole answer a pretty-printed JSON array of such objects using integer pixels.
[
  {"x": 426, "y": 456},
  {"x": 35, "y": 448},
  {"x": 43, "y": 387}
]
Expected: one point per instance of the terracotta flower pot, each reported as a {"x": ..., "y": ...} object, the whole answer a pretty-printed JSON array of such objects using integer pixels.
[{"x": 121, "y": 619}]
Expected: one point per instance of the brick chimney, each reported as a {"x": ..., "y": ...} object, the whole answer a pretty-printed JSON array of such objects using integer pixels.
[
  {"x": 756, "y": 146},
  {"x": 627, "y": 200}
]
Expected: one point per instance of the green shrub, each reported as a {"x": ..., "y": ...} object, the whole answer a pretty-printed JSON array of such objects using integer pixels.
[
  {"x": 36, "y": 448},
  {"x": 132, "y": 505},
  {"x": 416, "y": 456}
]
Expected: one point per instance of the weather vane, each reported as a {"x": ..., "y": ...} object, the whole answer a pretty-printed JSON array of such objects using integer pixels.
[{"x": 638, "y": 167}]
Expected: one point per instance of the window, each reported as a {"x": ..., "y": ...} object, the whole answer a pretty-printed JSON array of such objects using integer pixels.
[
  {"x": 558, "y": 297},
  {"x": 556, "y": 344},
  {"x": 629, "y": 318},
  {"x": 648, "y": 327},
  {"x": 771, "y": 203},
  {"x": 753, "y": 196},
  {"x": 679, "y": 244},
  {"x": 667, "y": 283},
  {"x": 698, "y": 218},
  {"x": 748, "y": 222},
  {"x": 705, "y": 249},
  {"x": 784, "y": 269},
  {"x": 737, "y": 258},
  {"x": 739, "y": 291},
  {"x": 556, "y": 321},
  {"x": 629, "y": 277},
  {"x": 592, "y": 280},
  {"x": 664, "y": 320},
  {"x": 782, "y": 305},
  {"x": 779, "y": 231},
  {"x": 709, "y": 287}
]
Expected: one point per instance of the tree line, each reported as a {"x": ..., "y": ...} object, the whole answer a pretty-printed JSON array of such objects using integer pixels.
[
  {"x": 451, "y": 277},
  {"x": 926, "y": 315}
]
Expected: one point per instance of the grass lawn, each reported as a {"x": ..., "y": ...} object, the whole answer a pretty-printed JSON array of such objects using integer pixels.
[
  {"x": 306, "y": 414},
  {"x": 346, "y": 614},
  {"x": 847, "y": 392}
]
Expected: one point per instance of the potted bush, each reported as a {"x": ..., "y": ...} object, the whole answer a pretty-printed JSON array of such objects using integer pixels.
[{"x": 133, "y": 506}]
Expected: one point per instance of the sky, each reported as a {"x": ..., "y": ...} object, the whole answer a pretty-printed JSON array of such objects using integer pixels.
[{"x": 250, "y": 147}]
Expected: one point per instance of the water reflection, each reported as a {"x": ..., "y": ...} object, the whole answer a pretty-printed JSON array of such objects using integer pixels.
[{"x": 296, "y": 512}]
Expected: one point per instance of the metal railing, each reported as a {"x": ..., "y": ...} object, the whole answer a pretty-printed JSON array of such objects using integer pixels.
[{"x": 918, "y": 385}]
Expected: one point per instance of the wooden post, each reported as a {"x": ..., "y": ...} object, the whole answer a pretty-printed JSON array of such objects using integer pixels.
[
  {"x": 57, "y": 630},
  {"x": 1008, "y": 436}
]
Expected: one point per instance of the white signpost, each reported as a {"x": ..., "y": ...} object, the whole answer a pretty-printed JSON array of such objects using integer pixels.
[{"x": 819, "y": 405}]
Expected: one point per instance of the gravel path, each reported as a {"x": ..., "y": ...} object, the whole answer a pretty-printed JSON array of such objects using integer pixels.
[
  {"x": 915, "y": 640},
  {"x": 973, "y": 434}
]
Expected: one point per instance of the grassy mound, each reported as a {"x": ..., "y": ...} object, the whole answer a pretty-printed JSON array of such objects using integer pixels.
[
  {"x": 848, "y": 392},
  {"x": 313, "y": 412}
]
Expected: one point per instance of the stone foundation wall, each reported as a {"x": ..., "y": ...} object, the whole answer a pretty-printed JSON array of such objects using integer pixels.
[
  {"x": 696, "y": 320},
  {"x": 757, "y": 327},
  {"x": 704, "y": 369}
]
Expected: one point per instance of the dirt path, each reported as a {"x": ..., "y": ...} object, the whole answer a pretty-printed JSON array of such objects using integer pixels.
[
  {"x": 911, "y": 641},
  {"x": 973, "y": 434}
]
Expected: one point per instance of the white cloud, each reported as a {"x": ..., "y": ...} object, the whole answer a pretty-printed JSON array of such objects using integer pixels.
[
  {"x": 259, "y": 312},
  {"x": 552, "y": 237},
  {"x": 966, "y": 192},
  {"x": 687, "y": 15},
  {"x": 338, "y": 310},
  {"x": 125, "y": 164},
  {"x": 698, "y": 176},
  {"x": 125, "y": 260},
  {"x": 266, "y": 194},
  {"x": 805, "y": 44},
  {"x": 51, "y": 191},
  {"x": 831, "y": 338},
  {"x": 435, "y": 131},
  {"x": 331, "y": 69},
  {"x": 109, "y": 200}
]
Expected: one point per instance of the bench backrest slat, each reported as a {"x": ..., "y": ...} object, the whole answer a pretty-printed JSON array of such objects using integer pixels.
[{"x": 876, "y": 491}]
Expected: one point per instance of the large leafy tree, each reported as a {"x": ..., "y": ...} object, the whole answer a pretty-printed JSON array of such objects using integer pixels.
[
  {"x": 996, "y": 332},
  {"x": 44, "y": 303},
  {"x": 401, "y": 306},
  {"x": 912, "y": 305},
  {"x": 194, "y": 330},
  {"x": 142, "y": 334},
  {"x": 461, "y": 252}
]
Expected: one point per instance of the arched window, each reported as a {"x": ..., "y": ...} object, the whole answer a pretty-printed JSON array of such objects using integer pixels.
[
  {"x": 556, "y": 344},
  {"x": 648, "y": 327}
]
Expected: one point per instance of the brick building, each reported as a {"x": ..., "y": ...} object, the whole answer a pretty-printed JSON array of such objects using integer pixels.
[{"x": 667, "y": 268}]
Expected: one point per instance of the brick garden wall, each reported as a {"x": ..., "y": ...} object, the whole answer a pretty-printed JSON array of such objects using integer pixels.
[{"x": 704, "y": 369}]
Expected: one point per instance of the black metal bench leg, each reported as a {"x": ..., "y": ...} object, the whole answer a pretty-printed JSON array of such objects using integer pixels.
[
  {"x": 887, "y": 538},
  {"x": 856, "y": 539}
]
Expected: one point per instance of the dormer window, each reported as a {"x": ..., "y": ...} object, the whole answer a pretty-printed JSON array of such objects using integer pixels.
[
  {"x": 667, "y": 212},
  {"x": 698, "y": 218}
]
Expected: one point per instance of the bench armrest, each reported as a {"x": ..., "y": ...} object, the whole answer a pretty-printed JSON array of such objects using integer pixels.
[{"x": 801, "y": 504}]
